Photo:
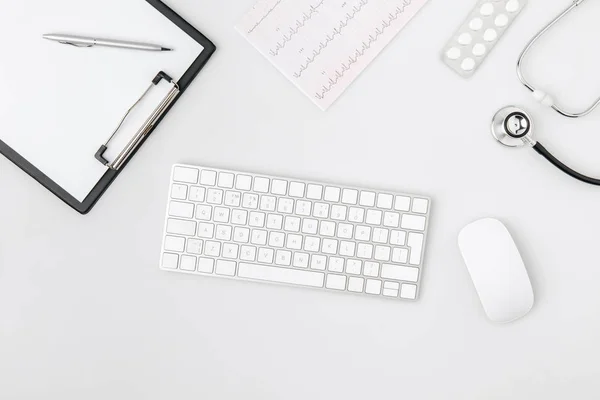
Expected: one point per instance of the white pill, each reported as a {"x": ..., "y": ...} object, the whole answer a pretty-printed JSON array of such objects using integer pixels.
[
  {"x": 476, "y": 24},
  {"x": 465, "y": 39},
  {"x": 512, "y": 6},
  {"x": 488, "y": 9},
  {"x": 479, "y": 49},
  {"x": 490, "y": 35},
  {"x": 501, "y": 20},
  {"x": 468, "y": 64},
  {"x": 453, "y": 53}
]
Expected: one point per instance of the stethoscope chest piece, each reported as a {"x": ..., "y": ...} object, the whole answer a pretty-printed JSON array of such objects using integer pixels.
[{"x": 513, "y": 127}]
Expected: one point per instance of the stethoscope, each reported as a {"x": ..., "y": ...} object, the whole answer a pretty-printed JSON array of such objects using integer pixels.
[{"x": 513, "y": 127}]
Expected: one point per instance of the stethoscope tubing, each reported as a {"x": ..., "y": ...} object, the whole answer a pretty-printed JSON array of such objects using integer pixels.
[{"x": 567, "y": 170}]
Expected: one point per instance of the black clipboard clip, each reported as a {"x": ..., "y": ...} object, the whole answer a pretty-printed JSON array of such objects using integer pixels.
[{"x": 145, "y": 129}]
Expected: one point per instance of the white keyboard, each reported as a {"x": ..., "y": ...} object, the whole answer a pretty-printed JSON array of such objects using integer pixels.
[{"x": 255, "y": 227}]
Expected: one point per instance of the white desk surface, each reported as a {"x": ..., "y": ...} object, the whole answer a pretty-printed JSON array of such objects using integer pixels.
[{"x": 86, "y": 313}]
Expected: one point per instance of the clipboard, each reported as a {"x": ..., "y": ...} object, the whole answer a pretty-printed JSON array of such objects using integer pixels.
[{"x": 114, "y": 168}]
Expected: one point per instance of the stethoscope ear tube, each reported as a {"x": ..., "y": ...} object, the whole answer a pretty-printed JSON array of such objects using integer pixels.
[{"x": 558, "y": 164}]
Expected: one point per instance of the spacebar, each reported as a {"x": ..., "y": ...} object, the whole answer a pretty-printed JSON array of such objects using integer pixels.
[{"x": 281, "y": 275}]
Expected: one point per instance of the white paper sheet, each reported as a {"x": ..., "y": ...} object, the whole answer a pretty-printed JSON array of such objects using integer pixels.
[
  {"x": 323, "y": 45},
  {"x": 59, "y": 103}
]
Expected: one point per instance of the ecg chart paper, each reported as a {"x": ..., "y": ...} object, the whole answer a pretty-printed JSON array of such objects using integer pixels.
[{"x": 323, "y": 45}]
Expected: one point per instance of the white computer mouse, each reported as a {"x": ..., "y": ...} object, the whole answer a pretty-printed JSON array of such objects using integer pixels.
[{"x": 497, "y": 270}]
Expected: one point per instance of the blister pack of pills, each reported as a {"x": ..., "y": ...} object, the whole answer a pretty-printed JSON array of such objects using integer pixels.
[{"x": 480, "y": 33}]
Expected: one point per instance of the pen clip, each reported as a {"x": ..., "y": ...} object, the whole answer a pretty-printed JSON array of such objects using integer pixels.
[{"x": 76, "y": 45}]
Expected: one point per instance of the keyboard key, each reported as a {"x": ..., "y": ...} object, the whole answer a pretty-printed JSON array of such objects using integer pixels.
[
  {"x": 335, "y": 264},
  {"x": 385, "y": 201},
  {"x": 329, "y": 246},
  {"x": 391, "y": 219},
  {"x": 374, "y": 217},
  {"x": 391, "y": 285},
  {"x": 301, "y": 260},
  {"x": 233, "y": 199},
  {"x": 349, "y": 196},
  {"x": 371, "y": 269},
  {"x": 241, "y": 235},
  {"x": 257, "y": 219},
  {"x": 182, "y": 210},
  {"x": 181, "y": 227},
  {"x": 197, "y": 194},
  {"x": 312, "y": 243},
  {"x": 297, "y": 189},
  {"x": 208, "y": 178},
  {"x": 402, "y": 203},
  {"x": 170, "y": 261},
  {"x": 221, "y": 214},
  {"x": 310, "y": 226},
  {"x": 415, "y": 242},
  {"x": 356, "y": 285},
  {"x": 261, "y": 185},
  {"x": 420, "y": 206},
  {"x": 413, "y": 222},
  {"x": 179, "y": 192},
  {"x": 173, "y": 243},
  {"x": 367, "y": 199},
  {"x": 363, "y": 233},
  {"x": 184, "y": 174},
  {"x": 203, "y": 213},
  {"x": 226, "y": 180},
  {"x": 212, "y": 249},
  {"x": 239, "y": 217},
  {"x": 248, "y": 253},
  {"x": 274, "y": 221},
  {"x": 267, "y": 203},
  {"x": 347, "y": 249},
  {"x": 281, "y": 275},
  {"x": 279, "y": 187},
  {"x": 224, "y": 232},
  {"x": 336, "y": 282},
  {"x": 356, "y": 215},
  {"x": 373, "y": 287},
  {"x": 206, "y": 230},
  {"x": 266, "y": 255},
  {"x": 327, "y": 228},
  {"x": 332, "y": 194},
  {"x": 318, "y": 262},
  {"x": 314, "y": 192},
  {"x": 400, "y": 273},
  {"x": 214, "y": 196},
  {"x": 250, "y": 200},
  {"x": 285, "y": 206},
  {"x": 339, "y": 213},
  {"x": 276, "y": 239},
  {"x": 400, "y": 256},
  {"x": 259, "y": 237},
  {"x": 390, "y": 292},
  {"x": 206, "y": 265},
  {"x": 345, "y": 231},
  {"x": 354, "y": 267},
  {"x": 380, "y": 235},
  {"x": 283, "y": 257},
  {"x": 382, "y": 253},
  {"x": 243, "y": 182},
  {"x": 398, "y": 238},
  {"x": 188, "y": 263},
  {"x": 292, "y": 224},
  {"x": 409, "y": 291},
  {"x": 364, "y": 250},
  {"x": 226, "y": 268},
  {"x": 321, "y": 210},
  {"x": 194, "y": 246},
  {"x": 294, "y": 242},
  {"x": 303, "y": 208}
]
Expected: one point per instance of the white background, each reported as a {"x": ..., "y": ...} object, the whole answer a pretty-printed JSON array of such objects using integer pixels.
[{"x": 86, "y": 313}]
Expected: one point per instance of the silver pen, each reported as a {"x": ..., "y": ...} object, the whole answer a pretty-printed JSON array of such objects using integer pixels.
[{"x": 81, "y": 41}]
